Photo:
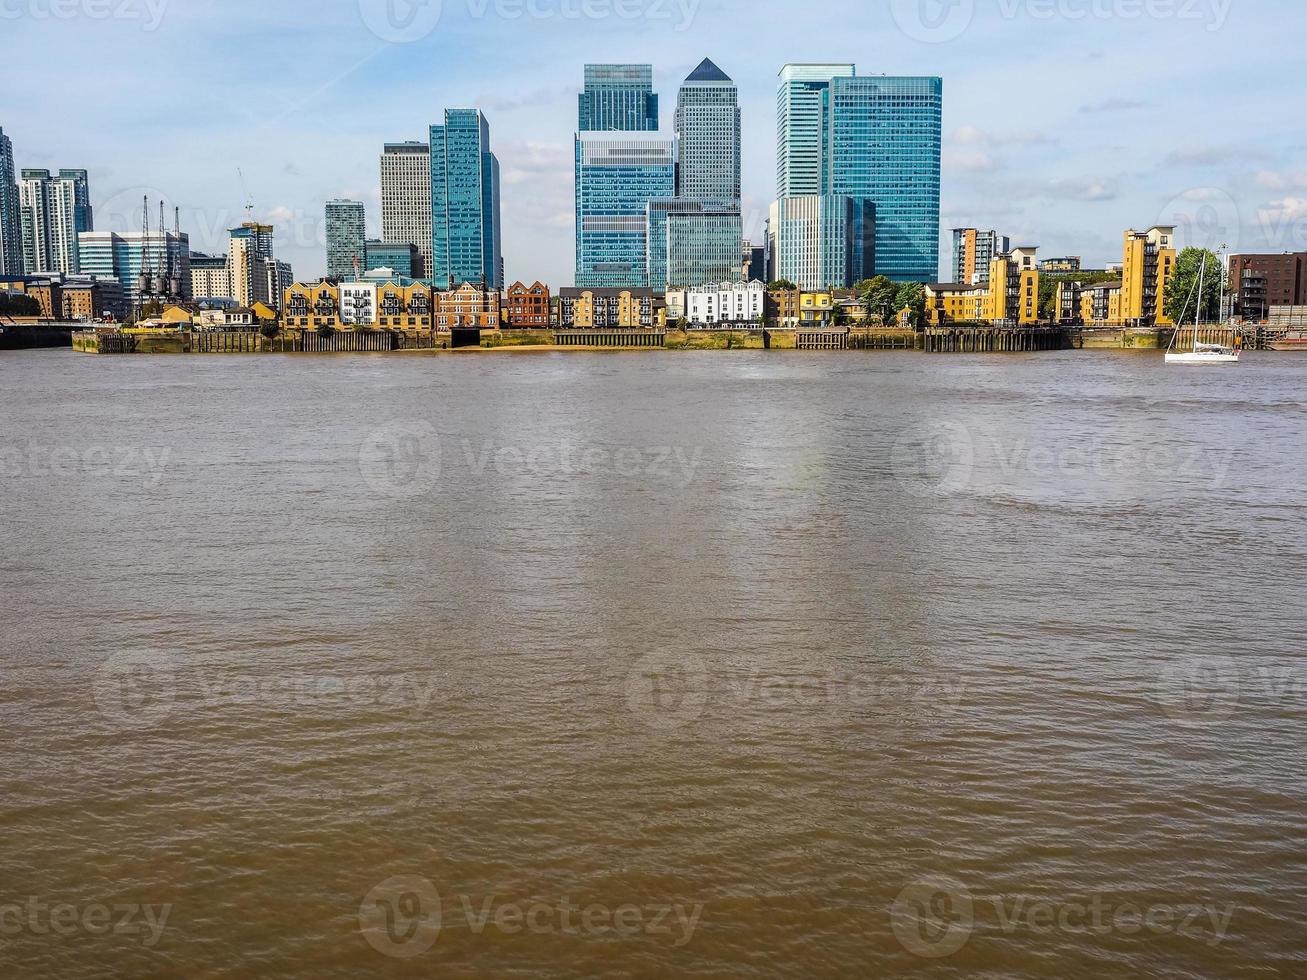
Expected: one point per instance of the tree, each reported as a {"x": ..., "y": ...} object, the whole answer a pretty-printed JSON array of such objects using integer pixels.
[
  {"x": 839, "y": 316},
  {"x": 913, "y": 296},
  {"x": 1048, "y": 282},
  {"x": 680, "y": 323},
  {"x": 1182, "y": 295},
  {"x": 270, "y": 330},
  {"x": 325, "y": 330},
  {"x": 19, "y": 304},
  {"x": 776, "y": 284},
  {"x": 880, "y": 296}
]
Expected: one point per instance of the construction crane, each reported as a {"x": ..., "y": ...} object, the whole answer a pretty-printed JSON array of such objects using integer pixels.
[{"x": 249, "y": 201}]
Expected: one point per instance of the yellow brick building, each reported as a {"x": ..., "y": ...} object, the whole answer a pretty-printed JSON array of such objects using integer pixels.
[
  {"x": 1010, "y": 296},
  {"x": 1147, "y": 268}
]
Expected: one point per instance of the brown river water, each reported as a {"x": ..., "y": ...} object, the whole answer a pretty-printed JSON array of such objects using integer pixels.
[{"x": 651, "y": 665}]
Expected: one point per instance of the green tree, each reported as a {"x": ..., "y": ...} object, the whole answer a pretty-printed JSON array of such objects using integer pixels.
[
  {"x": 880, "y": 295},
  {"x": 781, "y": 284},
  {"x": 839, "y": 316},
  {"x": 1182, "y": 294},
  {"x": 325, "y": 330},
  {"x": 913, "y": 296},
  {"x": 1048, "y": 282},
  {"x": 270, "y": 330}
]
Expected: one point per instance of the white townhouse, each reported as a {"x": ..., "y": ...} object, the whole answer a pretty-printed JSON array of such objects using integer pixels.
[{"x": 726, "y": 303}]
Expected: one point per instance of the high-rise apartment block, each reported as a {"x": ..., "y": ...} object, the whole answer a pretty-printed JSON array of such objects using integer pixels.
[
  {"x": 54, "y": 210},
  {"x": 406, "y": 193},
  {"x": 973, "y": 251},
  {"x": 347, "y": 254},
  {"x": 11, "y": 223},
  {"x": 465, "y": 205},
  {"x": 257, "y": 276}
]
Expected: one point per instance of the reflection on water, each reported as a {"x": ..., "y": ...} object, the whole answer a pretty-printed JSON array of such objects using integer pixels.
[{"x": 646, "y": 664}]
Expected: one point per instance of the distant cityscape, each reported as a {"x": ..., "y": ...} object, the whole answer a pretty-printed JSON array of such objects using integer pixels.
[{"x": 659, "y": 231}]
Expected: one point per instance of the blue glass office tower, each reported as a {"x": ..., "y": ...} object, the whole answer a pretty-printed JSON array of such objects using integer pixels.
[
  {"x": 872, "y": 139},
  {"x": 885, "y": 147},
  {"x": 617, "y": 175},
  {"x": 465, "y": 208},
  {"x": 618, "y": 98}
]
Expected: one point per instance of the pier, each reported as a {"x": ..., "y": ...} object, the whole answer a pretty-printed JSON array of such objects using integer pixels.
[{"x": 992, "y": 340}]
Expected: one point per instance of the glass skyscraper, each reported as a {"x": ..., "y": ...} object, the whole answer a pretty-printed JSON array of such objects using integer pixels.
[
  {"x": 125, "y": 256},
  {"x": 347, "y": 254},
  {"x": 465, "y": 205},
  {"x": 618, "y": 98},
  {"x": 708, "y": 127},
  {"x": 617, "y": 175},
  {"x": 873, "y": 139},
  {"x": 11, "y": 225},
  {"x": 885, "y": 147}
]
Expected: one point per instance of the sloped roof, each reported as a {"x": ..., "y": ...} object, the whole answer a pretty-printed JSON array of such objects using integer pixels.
[{"x": 708, "y": 72}]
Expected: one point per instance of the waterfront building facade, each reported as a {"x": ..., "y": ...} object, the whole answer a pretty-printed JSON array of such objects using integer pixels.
[
  {"x": 1010, "y": 294},
  {"x": 468, "y": 306},
  {"x": 406, "y": 199},
  {"x": 465, "y": 202},
  {"x": 973, "y": 251},
  {"x": 616, "y": 178},
  {"x": 54, "y": 210},
  {"x": 404, "y": 306},
  {"x": 346, "y": 239},
  {"x": 1260, "y": 282},
  {"x": 11, "y": 223},
  {"x": 126, "y": 256},
  {"x": 1147, "y": 267},
  {"x": 358, "y": 304},
  {"x": 618, "y": 98},
  {"x": 628, "y": 309},
  {"x": 311, "y": 305},
  {"x": 527, "y": 307},
  {"x": 803, "y": 117},
  {"x": 731, "y": 304}
]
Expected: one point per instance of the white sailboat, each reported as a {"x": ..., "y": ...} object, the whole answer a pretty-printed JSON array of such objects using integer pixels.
[{"x": 1202, "y": 353}]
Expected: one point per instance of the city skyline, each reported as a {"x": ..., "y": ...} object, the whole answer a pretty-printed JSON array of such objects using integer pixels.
[{"x": 1054, "y": 175}]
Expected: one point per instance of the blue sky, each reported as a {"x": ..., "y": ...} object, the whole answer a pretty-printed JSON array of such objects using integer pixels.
[{"x": 1065, "y": 121}]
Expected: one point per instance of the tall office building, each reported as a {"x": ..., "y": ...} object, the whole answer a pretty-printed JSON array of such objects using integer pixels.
[
  {"x": 696, "y": 238},
  {"x": 465, "y": 206},
  {"x": 406, "y": 199},
  {"x": 126, "y": 256},
  {"x": 973, "y": 251},
  {"x": 618, "y": 98},
  {"x": 11, "y": 225},
  {"x": 347, "y": 254},
  {"x": 617, "y": 176},
  {"x": 867, "y": 138},
  {"x": 803, "y": 128},
  {"x": 886, "y": 141},
  {"x": 54, "y": 210},
  {"x": 210, "y": 277},
  {"x": 708, "y": 127}
]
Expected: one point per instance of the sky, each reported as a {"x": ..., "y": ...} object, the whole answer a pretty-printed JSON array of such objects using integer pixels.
[{"x": 1065, "y": 121}]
